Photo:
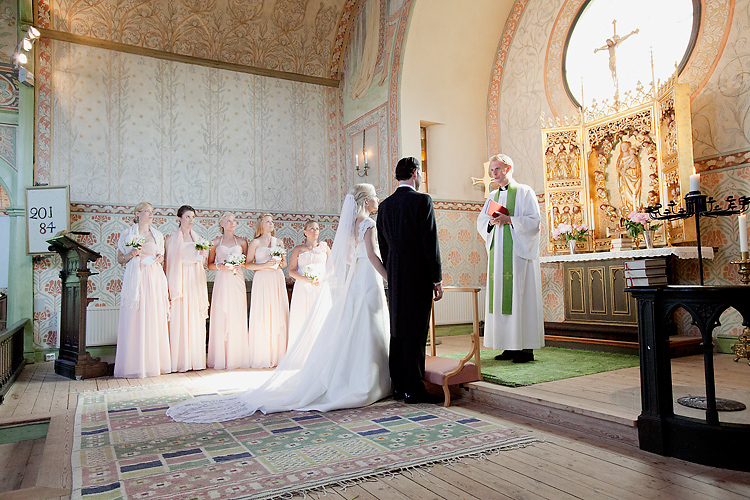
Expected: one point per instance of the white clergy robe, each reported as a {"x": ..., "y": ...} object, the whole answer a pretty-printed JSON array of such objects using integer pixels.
[{"x": 524, "y": 327}]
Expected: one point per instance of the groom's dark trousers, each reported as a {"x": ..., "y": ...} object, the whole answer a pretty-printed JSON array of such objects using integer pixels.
[{"x": 407, "y": 236}]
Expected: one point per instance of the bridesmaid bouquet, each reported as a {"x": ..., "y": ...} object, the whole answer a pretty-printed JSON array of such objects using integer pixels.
[
  {"x": 310, "y": 275},
  {"x": 135, "y": 242},
  {"x": 203, "y": 244},
  {"x": 234, "y": 260},
  {"x": 278, "y": 251}
]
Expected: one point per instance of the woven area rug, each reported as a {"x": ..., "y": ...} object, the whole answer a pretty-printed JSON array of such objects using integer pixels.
[{"x": 126, "y": 447}]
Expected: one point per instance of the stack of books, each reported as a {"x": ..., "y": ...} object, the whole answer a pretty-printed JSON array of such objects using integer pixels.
[
  {"x": 621, "y": 244},
  {"x": 646, "y": 272}
]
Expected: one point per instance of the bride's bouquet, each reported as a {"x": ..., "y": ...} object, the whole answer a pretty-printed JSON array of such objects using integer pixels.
[
  {"x": 234, "y": 260},
  {"x": 135, "y": 242},
  {"x": 278, "y": 251},
  {"x": 203, "y": 244}
]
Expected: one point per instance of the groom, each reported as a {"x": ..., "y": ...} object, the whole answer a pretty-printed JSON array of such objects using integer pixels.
[{"x": 408, "y": 242}]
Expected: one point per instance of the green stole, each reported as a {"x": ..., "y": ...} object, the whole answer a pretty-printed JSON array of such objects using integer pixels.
[{"x": 507, "y": 305}]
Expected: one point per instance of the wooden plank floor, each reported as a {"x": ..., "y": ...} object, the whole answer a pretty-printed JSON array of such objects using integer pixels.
[{"x": 569, "y": 464}]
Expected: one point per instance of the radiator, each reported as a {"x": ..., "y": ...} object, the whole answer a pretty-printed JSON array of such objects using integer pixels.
[
  {"x": 455, "y": 308},
  {"x": 101, "y": 325}
]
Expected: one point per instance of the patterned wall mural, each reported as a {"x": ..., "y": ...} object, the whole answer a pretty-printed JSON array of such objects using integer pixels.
[
  {"x": 106, "y": 222},
  {"x": 120, "y": 128},
  {"x": 462, "y": 249},
  {"x": 296, "y": 36},
  {"x": 130, "y": 128}
]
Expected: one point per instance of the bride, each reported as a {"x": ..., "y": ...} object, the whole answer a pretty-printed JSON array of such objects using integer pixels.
[{"x": 341, "y": 357}]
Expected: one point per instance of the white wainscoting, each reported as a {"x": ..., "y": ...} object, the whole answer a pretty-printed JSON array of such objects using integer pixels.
[
  {"x": 101, "y": 325},
  {"x": 455, "y": 308}
]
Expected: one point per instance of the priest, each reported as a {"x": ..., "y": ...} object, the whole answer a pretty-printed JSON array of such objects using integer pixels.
[{"x": 510, "y": 224}]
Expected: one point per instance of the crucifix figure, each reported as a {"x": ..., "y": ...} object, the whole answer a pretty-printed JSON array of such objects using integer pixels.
[{"x": 611, "y": 45}]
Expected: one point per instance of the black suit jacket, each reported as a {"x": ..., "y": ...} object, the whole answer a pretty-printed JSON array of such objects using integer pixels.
[{"x": 407, "y": 236}]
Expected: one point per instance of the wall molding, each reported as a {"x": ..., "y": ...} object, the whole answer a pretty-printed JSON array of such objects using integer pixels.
[{"x": 62, "y": 36}]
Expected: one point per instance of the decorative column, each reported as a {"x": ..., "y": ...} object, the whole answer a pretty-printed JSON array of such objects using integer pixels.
[{"x": 20, "y": 265}]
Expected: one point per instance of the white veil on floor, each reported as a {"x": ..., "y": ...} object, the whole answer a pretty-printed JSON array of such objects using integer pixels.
[{"x": 300, "y": 381}]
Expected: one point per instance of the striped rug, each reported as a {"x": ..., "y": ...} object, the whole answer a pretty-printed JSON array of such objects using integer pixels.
[{"x": 126, "y": 447}]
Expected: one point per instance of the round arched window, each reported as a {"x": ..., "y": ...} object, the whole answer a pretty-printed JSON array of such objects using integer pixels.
[{"x": 610, "y": 45}]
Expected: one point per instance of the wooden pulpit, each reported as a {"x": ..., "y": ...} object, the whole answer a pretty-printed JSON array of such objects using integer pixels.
[{"x": 73, "y": 360}]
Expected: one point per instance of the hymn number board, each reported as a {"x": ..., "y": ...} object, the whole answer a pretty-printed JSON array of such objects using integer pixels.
[{"x": 47, "y": 213}]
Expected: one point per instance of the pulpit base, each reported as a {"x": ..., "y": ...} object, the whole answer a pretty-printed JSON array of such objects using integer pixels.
[{"x": 83, "y": 366}]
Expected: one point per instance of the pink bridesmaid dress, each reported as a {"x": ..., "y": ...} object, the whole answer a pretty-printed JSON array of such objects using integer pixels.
[
  {"x": 228, "y": 343},
  {"x": 269, "y": 313},
  {"x": 143, "y": 332},
  {"x": 313, "y": 263},
  {"x": 187, "y": 321}
]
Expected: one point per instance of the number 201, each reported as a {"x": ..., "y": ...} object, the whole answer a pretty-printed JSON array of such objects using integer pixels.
[{"x": 40, "y": 213}]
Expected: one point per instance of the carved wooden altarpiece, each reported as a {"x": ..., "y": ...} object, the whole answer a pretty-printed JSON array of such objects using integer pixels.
[{"x": 605, "y": 163}]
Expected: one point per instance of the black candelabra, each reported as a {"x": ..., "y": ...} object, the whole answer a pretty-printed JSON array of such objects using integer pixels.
[{"x": 699, "y": 205}]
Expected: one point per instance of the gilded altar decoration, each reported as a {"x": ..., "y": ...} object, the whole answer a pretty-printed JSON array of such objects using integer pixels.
[{"x": 614, "y": 160}]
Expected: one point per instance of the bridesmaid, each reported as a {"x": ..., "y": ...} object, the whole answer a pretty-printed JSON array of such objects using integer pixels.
[
  {"x": 188, "y": 294},
  {"x": 307, "y": 263},
  {"x": 142, "y": 330},
  {"x": 269, "y": 303},
  {"x": 228, "y": 343}
]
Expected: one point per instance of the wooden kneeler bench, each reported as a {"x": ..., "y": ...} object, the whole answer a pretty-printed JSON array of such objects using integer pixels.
[{"x": 445, "y": 371}]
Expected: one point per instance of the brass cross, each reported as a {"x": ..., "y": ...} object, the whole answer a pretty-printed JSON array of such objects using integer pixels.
[{"x": 487, "y": 180}]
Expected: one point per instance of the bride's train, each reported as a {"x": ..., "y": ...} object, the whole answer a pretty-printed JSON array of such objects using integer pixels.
[{"x": 341, "y": 357}]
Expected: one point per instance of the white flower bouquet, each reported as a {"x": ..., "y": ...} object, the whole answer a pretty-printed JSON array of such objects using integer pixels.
[
  {"x": 310, "y": 275},
  {"x": 135, "y": 242},
  {"x": 203, "y": 244},
  {"x": 278, "y": 251},
  {"x": 234, "y": 260}
]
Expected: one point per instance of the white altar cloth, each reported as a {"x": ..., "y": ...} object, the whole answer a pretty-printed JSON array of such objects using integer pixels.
[{"x": 646, "y": 253}]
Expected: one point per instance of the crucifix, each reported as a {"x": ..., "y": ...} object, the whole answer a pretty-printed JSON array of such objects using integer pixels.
[
  {"x": 487, "y": 180},
  {"x": 611, "y": 45}
]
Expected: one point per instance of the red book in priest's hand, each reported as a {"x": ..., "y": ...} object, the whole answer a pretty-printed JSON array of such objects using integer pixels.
[{"x": 496, "y": 209}]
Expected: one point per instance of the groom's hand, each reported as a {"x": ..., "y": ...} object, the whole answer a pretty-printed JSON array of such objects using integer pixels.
[{"x": 438, "y": 291}]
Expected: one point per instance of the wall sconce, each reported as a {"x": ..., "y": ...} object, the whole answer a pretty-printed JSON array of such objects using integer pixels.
[
  {"x": 21, "y": 56},
  {"x": 363, "y": 171}
]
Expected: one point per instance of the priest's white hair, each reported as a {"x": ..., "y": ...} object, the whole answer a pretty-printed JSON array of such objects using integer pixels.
[{"x": 503, "y": 159}]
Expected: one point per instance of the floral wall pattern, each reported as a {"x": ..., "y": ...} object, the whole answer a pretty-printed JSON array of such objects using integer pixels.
[
  {"x": 106, "y": 222},
  {"x": 295, "y": 36},
  {"x": 8, "y": 29}
]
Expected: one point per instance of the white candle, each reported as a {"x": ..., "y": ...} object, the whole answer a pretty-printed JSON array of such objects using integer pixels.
[
  {"x": 356, "y": 158},
  {"x": 365, "y": 157},
  {"x": 743, "y": 232},
  {"x": 695, "y": 182},
  {"x": 591, "y": 205}
]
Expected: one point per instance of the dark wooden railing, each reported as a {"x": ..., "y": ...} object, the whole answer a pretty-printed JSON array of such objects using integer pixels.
[
  {"x": 11, "y": 356},
  {"x": 706, "y": 441}
]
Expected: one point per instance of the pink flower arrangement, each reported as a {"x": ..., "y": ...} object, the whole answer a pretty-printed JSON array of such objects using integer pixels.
[
  {"x": 637, "y": 223},
  {"x": 570, "y": 232}
]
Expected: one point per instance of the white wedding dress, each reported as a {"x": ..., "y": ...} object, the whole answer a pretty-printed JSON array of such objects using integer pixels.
[{"x": 341, "y": 357}]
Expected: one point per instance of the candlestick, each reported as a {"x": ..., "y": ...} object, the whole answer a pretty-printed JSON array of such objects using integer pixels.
[
  {"x": 743, "y": 232},
  {"x": 695, "y": 182},
  {"x": 744, "y": 264}
]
